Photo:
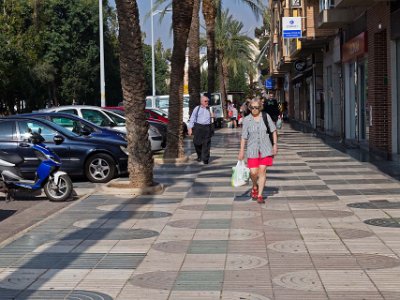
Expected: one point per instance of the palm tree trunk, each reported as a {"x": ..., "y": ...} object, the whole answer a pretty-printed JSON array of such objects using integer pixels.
[
  {"x": 226, "y": 77},
  {"x": 140, "y": 165},
  {"x": 181, "y": 19},
  {"x": 194, "y": 58},
  {"x": 221, "y": 77},
  {"x": 210, "y": 14}
]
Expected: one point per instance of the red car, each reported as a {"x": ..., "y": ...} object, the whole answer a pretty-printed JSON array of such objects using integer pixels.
[
  {"x": 161, "y": 126},
  {"x": 151, "y": 114}
]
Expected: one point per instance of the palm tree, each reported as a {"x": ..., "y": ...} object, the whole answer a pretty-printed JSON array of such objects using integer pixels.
[
  {"x": 211, "y": 11},
  {"x": 194, "y": 58},
  {"x": 182, "y": 11},
  {"x": 194, "y": 46},
  {"x": 140, "y": 164},
  {"x": 210, "y": 14},
  {"x": 234, "y": 49}
]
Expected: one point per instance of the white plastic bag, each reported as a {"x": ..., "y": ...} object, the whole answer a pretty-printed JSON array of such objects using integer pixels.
[
  {"x": 279, "y": 122},
  {"x": 240, "y": 174}
]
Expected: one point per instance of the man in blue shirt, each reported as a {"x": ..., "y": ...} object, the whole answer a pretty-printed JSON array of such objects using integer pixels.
[{"x": 200, "y": 126}]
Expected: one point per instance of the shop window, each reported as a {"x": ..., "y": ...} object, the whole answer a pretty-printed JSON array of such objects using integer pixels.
[{"x": 326, "y": 4}]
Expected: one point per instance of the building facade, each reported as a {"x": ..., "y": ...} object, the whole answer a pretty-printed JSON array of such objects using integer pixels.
[{"x": 342, "y": 77}]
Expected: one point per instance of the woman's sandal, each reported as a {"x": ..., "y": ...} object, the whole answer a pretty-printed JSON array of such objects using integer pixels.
[
  {"x": 260, "y": 199},
  {"x": 254, "y": 193}
]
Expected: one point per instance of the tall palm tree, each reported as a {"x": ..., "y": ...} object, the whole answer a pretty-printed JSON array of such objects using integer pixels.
[
  {"x": 211, "y": 11},
  {"x": 194, "y": 58},
  {"x": 194, "y": 47},
  {"x": 210, "y": 14},
  {"x": 181, "y": 19},
  {"x": 234, "y": 49},
  {"x": 140, "y": 164}
]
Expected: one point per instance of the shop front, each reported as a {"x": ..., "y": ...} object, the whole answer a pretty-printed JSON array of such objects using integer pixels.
[
  {"x": 355, "y": 71},
  {"x": 395, "y": 72}
]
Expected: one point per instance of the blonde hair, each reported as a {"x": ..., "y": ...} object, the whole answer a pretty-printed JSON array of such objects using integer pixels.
[{"x": 255, "y": 100}]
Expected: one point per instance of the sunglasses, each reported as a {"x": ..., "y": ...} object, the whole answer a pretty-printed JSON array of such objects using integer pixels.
[{"x": 254, "y": 107}]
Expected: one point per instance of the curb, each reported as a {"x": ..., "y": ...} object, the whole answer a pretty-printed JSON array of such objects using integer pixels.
[
  {"x": 176, "y": 161},
  {"x": 124, "y": 188}
]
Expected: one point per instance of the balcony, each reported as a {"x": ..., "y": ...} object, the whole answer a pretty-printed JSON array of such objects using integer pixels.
[
  {"x": 354, "y": 3},
  {"x": 335, "y": 18}
]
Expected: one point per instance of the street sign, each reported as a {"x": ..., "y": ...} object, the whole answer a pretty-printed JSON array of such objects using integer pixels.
[
  {"x": 270, "y": 83},
  {"x": 291, "y": 27}
]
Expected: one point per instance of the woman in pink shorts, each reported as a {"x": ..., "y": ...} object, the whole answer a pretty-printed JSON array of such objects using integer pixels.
[{"x": 259, "y": 150}]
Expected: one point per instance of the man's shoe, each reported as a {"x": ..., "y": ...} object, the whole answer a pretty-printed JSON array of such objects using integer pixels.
[
  {"x": 205, "y": 162},
  {"x": 198, "y": 159}
]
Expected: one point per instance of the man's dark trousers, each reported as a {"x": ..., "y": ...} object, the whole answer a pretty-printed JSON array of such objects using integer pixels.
[{"x": 202, "y": 141}]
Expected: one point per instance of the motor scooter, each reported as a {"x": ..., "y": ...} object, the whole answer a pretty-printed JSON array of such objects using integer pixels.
[{"x": 56, "y": 184}]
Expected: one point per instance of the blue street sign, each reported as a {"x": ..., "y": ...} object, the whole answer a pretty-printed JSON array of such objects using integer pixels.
[
  {"x": 270, "y": 83},
  {"x": 292, "y": 34}
]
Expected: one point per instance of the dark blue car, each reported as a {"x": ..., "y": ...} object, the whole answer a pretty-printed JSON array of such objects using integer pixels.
[
  {"x": 79, "y": 126},
  {"x": 99, "y": 159}
]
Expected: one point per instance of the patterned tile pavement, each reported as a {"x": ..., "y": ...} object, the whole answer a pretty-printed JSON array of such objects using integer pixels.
[{"x": 329, "y": 230}]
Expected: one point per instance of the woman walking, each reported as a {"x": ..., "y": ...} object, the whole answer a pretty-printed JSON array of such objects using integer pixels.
[{"x": 260, "y": 150}]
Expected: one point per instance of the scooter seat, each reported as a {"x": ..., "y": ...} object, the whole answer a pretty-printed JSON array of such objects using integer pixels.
[{"x": 13, "y": 158}]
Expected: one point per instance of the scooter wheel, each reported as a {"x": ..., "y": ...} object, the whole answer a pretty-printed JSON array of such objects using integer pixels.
[{"x": 58, "y": 192}]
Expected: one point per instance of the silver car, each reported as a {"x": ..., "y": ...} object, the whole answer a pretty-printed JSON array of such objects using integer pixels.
[{"x": 108, "y": 119}]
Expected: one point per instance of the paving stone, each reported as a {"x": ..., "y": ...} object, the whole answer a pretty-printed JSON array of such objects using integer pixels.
[
  {"x": 199, "y": 280},
  {"x": 207, "y": 247}
]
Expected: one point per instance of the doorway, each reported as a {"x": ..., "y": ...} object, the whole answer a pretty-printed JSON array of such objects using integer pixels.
[
  {"x": 362, "y": 103},
  {"x": 398, "y": 94}
]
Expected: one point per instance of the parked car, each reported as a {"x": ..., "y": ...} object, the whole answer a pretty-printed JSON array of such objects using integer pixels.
[
  {"x": 161, "y": 126},
  {"x": 99, "y": 159},
  {"x": 162, "y": 116},
  {"x": 156, "y": 115},
  {"x": 79, "y": 126},
  {"x": 104, "y": 118}
]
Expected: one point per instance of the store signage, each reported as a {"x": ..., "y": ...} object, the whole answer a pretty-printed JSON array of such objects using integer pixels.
[
  {"x": 291, "y": 27},
  {"x": 270, "y": 83},
  {"x": 356, "y": 47},
  {"x": 300, "y": 65}
]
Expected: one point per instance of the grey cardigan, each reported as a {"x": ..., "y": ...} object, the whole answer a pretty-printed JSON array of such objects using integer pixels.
[{"x": 255, "y": 133}]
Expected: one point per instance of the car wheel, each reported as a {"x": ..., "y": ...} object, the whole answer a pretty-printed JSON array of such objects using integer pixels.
[{"x": 100, "y": 168}]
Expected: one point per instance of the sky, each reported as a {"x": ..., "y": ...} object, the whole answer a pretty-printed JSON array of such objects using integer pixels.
[{"x": 163, "y": 31}]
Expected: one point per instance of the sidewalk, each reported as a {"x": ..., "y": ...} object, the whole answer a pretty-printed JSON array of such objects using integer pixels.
[{"x": 329, "y": 230}]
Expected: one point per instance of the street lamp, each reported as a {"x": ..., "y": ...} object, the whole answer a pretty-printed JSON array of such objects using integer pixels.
[
  {"x": 102, "y": 80},
  {"x": 153, "y": 68}
]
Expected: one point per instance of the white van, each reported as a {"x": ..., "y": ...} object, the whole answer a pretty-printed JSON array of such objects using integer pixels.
[{"x": 162, "y": 102}]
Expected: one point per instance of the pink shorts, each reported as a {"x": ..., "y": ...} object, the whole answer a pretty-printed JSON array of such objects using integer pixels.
[{"x": 260, "y": 161}]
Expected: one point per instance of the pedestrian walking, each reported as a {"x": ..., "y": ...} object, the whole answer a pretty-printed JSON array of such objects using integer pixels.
[
  {"x": 234, "y": 117},
  {"x": 244, "y": 108},
  {"x": 271, "y": 107},
  {"x": 259, "y": 148},
  {"x": 201, "y": 127}
]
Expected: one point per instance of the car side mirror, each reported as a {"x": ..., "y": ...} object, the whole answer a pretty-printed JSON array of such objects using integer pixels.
[{"x": 58, "y": 139}]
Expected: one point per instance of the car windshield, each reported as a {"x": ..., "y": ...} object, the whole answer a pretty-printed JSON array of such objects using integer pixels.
[
  {"x": 118, "y": 112},
  {"x": 160, "y": 112},
  {"x": 162, "y": 103},
  {"x": 117, "y": 119},
  {"x": 60, "y": 128}
]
